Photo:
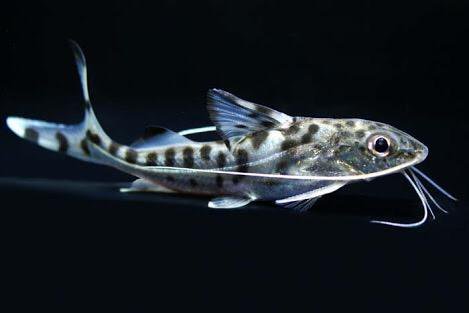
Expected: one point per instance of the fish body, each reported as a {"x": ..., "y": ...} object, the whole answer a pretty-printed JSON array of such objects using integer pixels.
[{"x": 263, "y": 154}]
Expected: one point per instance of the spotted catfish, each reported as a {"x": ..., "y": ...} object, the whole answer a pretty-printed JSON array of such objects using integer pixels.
[{"x": 263, "y": 155}]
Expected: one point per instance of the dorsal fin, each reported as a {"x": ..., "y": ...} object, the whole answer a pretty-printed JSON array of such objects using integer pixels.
[
  {"x": 235, "y": 117},
  {"x": 156, "y": 136}
]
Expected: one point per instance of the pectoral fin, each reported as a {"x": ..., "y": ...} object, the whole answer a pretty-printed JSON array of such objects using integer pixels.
[
  {"x": 229, "y": 202},
  {"x": 143, "y": 185},
  {"x": 304, "y": 201}
]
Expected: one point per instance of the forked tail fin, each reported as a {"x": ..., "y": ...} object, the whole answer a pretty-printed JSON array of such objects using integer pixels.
[{"x": 69, "y": 139}]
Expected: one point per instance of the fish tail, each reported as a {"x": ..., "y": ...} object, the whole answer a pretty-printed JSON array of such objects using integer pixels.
[{"x": 72, "y": 140}]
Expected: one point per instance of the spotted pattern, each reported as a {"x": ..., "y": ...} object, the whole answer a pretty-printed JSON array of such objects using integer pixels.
[
  {"x": 258, "y": 138},
  {"x": 306, "y": 138},
  {"x": 63, "y": 142},
  {"x": 345, "y": 134},
  {"x": 169, "y": 157},
  {"x": 242, "y": 158},
  {"x": 131, "y": 155},
  {"x": 350, "y": 123},
  {"x": 205, "y": 152},
  {"x": 84, "y": 147},
  {"x": 151, "y": 158},
  {"x": 94, "y": 138},
  {"x": 31, "y": 134},
  {"x": 288, "y": 144},
  {"x": 221, "y": 159},
  {"x": 282, "y": 166},
  {"x": 188, "y": 157},
  {"x": 359, "y": 134},
  {"x": 313, "y": 129},
  {"x": 113, "y": 148},
  {"x": 338, "y": 125}
]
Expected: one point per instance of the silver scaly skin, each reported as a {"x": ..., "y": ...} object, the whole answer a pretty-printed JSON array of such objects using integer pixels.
[{"x": 263, "y": 155}]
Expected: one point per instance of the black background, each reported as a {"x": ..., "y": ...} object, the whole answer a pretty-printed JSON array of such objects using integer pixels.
[{"x": 72, "y": 243}]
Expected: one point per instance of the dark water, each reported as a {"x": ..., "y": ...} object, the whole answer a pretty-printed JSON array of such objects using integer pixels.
[
  {"x": 71, "y": 242},
  {"x": 81, "y": 245}
]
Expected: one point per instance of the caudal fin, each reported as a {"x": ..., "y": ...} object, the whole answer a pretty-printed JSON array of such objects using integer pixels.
[{"x": 69, "y": 139}]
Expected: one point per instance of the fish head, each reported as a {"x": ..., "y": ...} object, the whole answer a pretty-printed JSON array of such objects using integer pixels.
[{"x": 368, "y": 147}]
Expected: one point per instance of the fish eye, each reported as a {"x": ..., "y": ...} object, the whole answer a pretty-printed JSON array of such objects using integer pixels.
[{"x": 379, "y": 145}]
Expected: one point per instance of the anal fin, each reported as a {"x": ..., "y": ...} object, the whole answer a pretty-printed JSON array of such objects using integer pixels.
[
  {"x": 301, "y": 205},
  {"x": 229, "y": 202}
]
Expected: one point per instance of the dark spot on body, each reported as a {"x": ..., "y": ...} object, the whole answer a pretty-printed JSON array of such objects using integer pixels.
[
  {"x": 94, "y": 138},
  {"x": 345, "y": 134},
  {"x": 243, "y": 168},
  {"x": 31, "y": 134},
  {"x": 253, "y": 115},
  {"x": 371, "y": 127},
  {"x": 219, "y": 181},
  {"x": 326, "y": 121},
  {"x": 313, "y": 129},
  {"x": 282, "y": 166},
  {"x": 359, "y": 134},
  {"x": 221, "y": 159},
  {"x": 63, "y": 142},
  {"x": 242, "y": 158},
  {"x": 292, "y": 130},
  {"x": 84, "y": 147},
  {"x": 188, "y": 157},
  {"x": 151, "y": 158},
  {"x": 258, "y": 138},
  {"x": 306, "y": 138},
  {"x": 193, "y": 182},
  {"x": 350, "y": 123},
  {"x": 131, "y": 155},
  {"x": 205, "y": 152},
  {"x": 241, "y": 126},
  {"x": 288, "y": 144},
  {"x": 113, "y": 147},
  {"x": 338, "y": 125},
  {"x": 169, "y": 156}
]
